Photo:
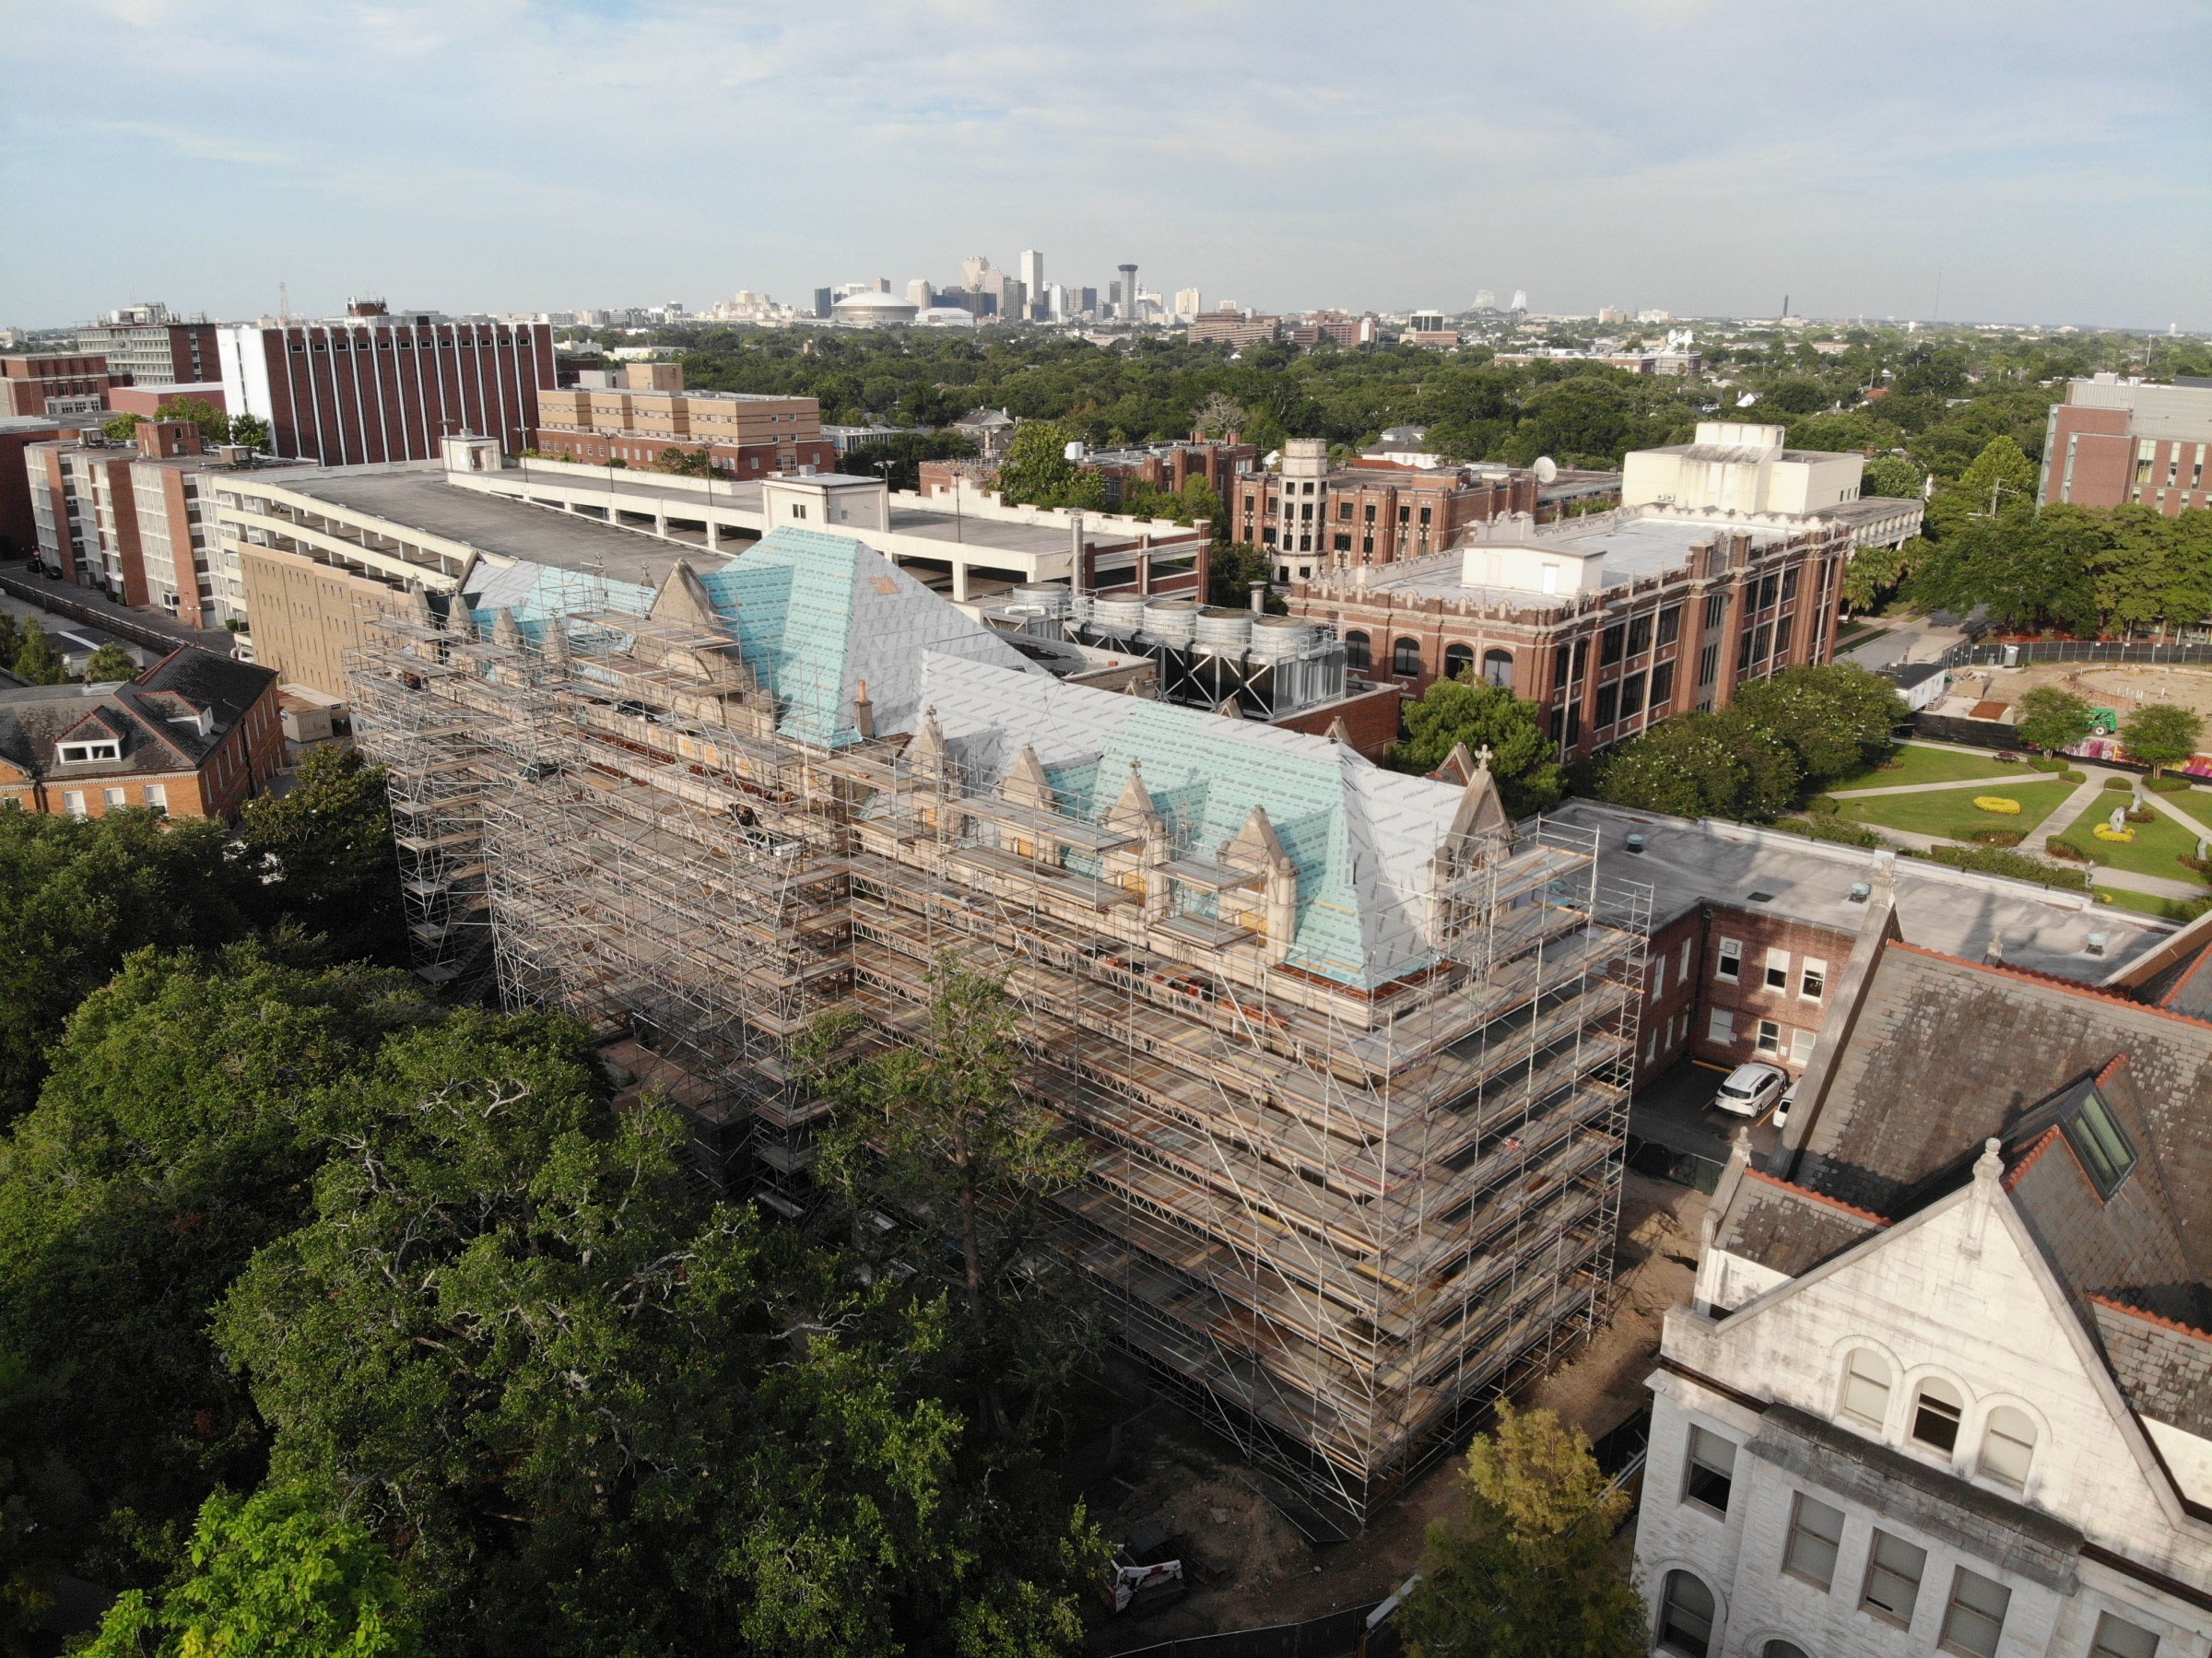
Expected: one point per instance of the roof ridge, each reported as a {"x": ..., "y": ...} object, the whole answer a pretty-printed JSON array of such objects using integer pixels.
[
  {"x": 2072, "y": 986},
  {"x": 1821, "y": 1198},
  {"x": 2036, "y": 1148},
  {"x": 2182, "y": 982},
  {"x": 2149, "y": 1317}
]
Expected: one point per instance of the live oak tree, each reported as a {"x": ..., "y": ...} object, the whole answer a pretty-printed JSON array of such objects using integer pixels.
[
  {"x": 1836, "y": 717},
  {"x": 1523, "y": 759},
  {"x": 322, "y": 852},
  {"x": 1527, "y": 1570},
  {"x": 2051, "y": 718},
  {"x": 2160, "y": 734},
  {"x": 1699, "y": 764}
]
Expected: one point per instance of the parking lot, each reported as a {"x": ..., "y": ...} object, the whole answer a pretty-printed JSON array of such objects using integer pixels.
[{"x": 1677, "y": 1113}]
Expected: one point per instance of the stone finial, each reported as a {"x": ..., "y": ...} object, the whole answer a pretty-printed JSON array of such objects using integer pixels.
[
  {"x": 1482, "y": 758},
  {"x": 1990, "y": 1166}
]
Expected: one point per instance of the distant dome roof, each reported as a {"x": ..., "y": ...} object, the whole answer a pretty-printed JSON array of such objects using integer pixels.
[{"x": 874, "y": 302}]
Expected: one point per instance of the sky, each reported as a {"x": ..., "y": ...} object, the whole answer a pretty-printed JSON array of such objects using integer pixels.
[{"x": 2018, "y": 162}]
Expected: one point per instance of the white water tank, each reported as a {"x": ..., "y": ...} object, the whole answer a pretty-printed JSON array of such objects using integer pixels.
[
  {"x": 1048, "y": 597},
  {"x": 1280, "y": 638},
  {"x": 1223, "y": 633},
  {"x": 1172, "y": 622},
  {"x": 1117, "y": 615}
]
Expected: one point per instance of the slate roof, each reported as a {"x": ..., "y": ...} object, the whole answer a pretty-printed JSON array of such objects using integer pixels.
[
  {"x": 1790, "y": 1228},
  {"x": 2165, "y": 1366},
  {"x": 154, "y": 717}
]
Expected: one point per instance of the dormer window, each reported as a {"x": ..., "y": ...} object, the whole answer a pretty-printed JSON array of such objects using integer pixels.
[
  {"x": 2100, "y": 1144},
  {"x": 106, "y": 748}
]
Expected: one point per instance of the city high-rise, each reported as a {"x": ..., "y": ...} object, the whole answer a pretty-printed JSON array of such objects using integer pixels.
[{"x": 1032, "y": 276}]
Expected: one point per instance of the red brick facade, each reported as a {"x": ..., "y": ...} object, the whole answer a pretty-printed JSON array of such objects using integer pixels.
[
  {"x": 1725, "y": 984},
  {"x": 30, "y": 380},
  {"x": 1366, "y": 514},
  {"x": 2092, "y": 458}
]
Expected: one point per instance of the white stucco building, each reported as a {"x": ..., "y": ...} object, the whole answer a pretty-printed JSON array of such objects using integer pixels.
[
  {"x": 1946, "y": 1384},
  {"x": 1738, "y": 466}
]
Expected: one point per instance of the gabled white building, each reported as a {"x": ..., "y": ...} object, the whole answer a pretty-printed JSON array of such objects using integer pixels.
[{"x": 1947, "y": 1381}]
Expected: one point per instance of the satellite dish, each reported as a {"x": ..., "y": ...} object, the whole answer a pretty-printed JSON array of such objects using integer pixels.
[{"x": 1546, "y": 470}]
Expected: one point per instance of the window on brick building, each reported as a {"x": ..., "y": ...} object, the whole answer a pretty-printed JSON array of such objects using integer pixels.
[
  {"x": 1425, "y": 511},
  {"x": 1640, "y": 634},
  {"x": 1709, "y": 666},
  {"x": 1716, "y": 608},
  {"x": 1355, "y": 652},
  {"x": 1730, "y": 963},
  {"x": 1610, "y": 647},
  {"x": 1778, "y": 970},
  {"x": 1670, "y": 624},
  {"x": 1608, "y": 706},
  {"x": 1812, "y": 979},
  {"x": 157, "y": 796},
  {"x": 1370, "y": 513},
  {"x": 1789, "y": 585},
  {"x": 1720, "y": 1027},
  {"x": 1459, "y": 659},
  {"x": 1345, "y": 511},
  {"x": 1816, "y": 1533},
  {"x": 1663, "y": 688},
  {"x": 1631, "y": 696},
  {"x": 1498, "y": 667},
  {"x": 1342, "y": 542},
  {"x": 1770, "y": 1037},
  {"x": 1405, "y": 515},
  {"x": 1405, "y": 656}
]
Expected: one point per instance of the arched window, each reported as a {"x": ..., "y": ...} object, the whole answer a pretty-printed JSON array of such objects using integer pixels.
[
  {"x": 1405, "y": 656},
  {"x": 1355, "y": 653},
  {"x": 1686, "y": 1616},
  {"x": 1781, "y": 1649},
  {"x": 1866, "y": 1397},
  {"x": 1936, "y": 1411},
  {"x": 1459, "y": 661},
  {"x": 1498, "y": 667},
  {"x": 2007, "y": 1446}
]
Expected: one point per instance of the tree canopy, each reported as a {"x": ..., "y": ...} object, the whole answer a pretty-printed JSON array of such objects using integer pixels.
[
  {"x": 2159, "y": 734},
  {"x": 2050, "y": 717},
  {"x": 1450, "y": 712},
  {"x": 1703, "y": 765}
]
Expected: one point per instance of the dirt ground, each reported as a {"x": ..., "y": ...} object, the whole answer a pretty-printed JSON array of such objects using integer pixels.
[
  {"x": 2118, "y": 689},
  {"x": 1249, "y": 1566}
]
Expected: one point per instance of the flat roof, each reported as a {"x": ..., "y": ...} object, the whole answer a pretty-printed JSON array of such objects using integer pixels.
[
  {"x": 1687, "y": 861},
  {"x": 1632, "y": 548},
  {"x": 418, "y": 498}
]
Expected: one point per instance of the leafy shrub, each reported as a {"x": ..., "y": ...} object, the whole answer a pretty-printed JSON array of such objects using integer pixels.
[
  {"x": 2003, "y": 805},
  {"x": 2141, "y": 815},
  {"x": 2119, "y": 785},
  {"x": 1829, "y": 829},
  {"x": 2019, "y": 867},
  {"x": 1997, "y": 837},
  {"x": 2072, "y": 776},
  {"x": 2167, "y": 785},
  {"x": 2064, "y": 849},
  {"x": 2048, "y": 765},
  {"x": 1824, "y": 805}
]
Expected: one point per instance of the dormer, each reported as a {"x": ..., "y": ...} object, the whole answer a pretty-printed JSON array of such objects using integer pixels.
[
  {"x": 95, "y": 739},
  {"x": 1271, "y": 910},
  {"x": 180, "y": 712}
]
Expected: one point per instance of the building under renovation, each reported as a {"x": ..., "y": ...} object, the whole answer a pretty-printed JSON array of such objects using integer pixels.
[{"x": 1348, "y": 1049}]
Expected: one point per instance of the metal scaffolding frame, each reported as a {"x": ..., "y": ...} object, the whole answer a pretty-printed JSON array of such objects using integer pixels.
[{"x": 1337, "y": 1219}]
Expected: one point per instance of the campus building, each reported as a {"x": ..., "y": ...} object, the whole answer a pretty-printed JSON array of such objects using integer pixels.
[
  {"x": 2117, "y": 441},
  {"x": 194, "y": 736},
  {"x": 1946, "y": 1381},
  {"x": 1608, "y": 622},
  {"x": 148, "y": 347},
  {"x": 636, "y": 415},
  {"x": 54, "y": 384},
  {"x": 378, "y": 386},
  {"x": 1736, "y": 466}
]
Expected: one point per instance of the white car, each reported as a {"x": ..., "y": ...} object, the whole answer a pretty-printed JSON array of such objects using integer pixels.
[
  {"x": 1751, "y": 1089},
  {"x": 1782, "y": 1109}
]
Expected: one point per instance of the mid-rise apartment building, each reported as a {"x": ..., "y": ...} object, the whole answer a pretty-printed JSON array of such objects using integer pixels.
[
  {"x": 149, "y": 345},
  {"x": 57, "y": 384},
  {"x": 19, "y": 523},
  {"x": 136, "y": 520},
  {"x": 1608, "y": 622},
  {"x": 2115, "y": 442},
  {"x": 1227, "y": 328},
  {"x": 376, "y": 386},
  {"x": 194, "y": 736},
  {"x": 1946, "y": 1381},
  {"x": 636, "y": 415}
]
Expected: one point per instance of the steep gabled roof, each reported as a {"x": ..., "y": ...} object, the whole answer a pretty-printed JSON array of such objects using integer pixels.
[{"x": 154, "y": 718}]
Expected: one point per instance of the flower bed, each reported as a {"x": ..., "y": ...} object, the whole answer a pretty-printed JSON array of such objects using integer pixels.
[
  {"x": 1998, "y": 803},
  {"x": 2105, "y": 831}
]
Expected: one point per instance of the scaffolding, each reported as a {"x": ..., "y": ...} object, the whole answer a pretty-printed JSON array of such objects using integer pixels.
[{"x": 1338, "y": 1218}]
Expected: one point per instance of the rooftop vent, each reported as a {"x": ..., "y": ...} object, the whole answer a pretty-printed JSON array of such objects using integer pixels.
[
  {"x": 2096, "y": 943},
  {"x": 1760, "y": 897},
  {"x": 1861, "y": 891},
  {"x": 1635, "y": 843}
]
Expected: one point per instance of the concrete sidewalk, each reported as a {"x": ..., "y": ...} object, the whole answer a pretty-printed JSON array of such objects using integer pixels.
[
  {"x": 62, "y": 598},
  {"x": 2009, "y": 780}
]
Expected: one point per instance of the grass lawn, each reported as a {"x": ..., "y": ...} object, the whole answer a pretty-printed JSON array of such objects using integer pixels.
[
  {"x": 2165, "y": 909},
  {"x": 1951, "y": 813},
  {"x": 2154, "y": 850},
  {"x": 1918, "y": 763}
]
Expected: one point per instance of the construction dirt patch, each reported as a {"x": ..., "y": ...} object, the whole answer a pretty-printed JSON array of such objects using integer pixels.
[
  {"x": 1249, "y": 1566},
  {"x": 2122, "y": 689}
]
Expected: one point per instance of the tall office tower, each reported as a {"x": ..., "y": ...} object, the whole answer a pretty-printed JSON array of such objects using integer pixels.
[
  {"x": 1189, "y": 302},
  {"x": 371, "y": 386},
  {"x": 971, "y": 271},
  {"x": 1520, "y": 299},
  {"x": 1129, "y": 311},
  {"x": 823, "y": 299},
  {"x": 918, "y": 293},
  {"x": 1055, "y": 303},
  {"x": 1485, "y": 300},
  {"x": 1032, "y": 273}
]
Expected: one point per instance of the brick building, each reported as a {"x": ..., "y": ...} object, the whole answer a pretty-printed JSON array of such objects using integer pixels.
[
  {"x": 1380, "y": 508},
  {"x": 146, "y": 346},
  {"x": 1234, "y": 328},
  {"x": 1945, "y": 1381},
  {"x": 637, "y": 413},
  {"x": 54, "y": 382},
  {"x": 18, "y": 523},
  {"x": 2115, "y": 442},
  {"x": 1172, "y": 466},
  {"x": 196, "y": 735},
  {"x": 1608, "y": 622},
  {"x": 375, "y": 386}
]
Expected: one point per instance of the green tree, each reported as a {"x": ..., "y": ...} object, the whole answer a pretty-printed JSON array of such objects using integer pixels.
[
  {"x": 1875, "y": 573},
  {"x": 120, "y": 428},
  {"x": 1464, "y": 709},
  {"x": 1233, "y": 569},
  {"x": 37, "y": 660},
  {"x": 2001, "y": 470},
  {"x": 215, "y": 425},
  {"x": 273, "y": 1575},
  {"x": 76, "y": 896},
  {"x": 252, "y": 431},
  {"x": 2160, "y": 734},
  {"x": 189, "y": 1104},
  {"x": 111, "y": 662},
  {"x": 2051, "y": 718},
  {"x": 1036, "y": 470},
  {"x": 1527, "y": 1570},
  {"x": 1836, "y": 717},
  {"x": 1890, "y": 474},
  {"x": 1702, "y": 765},
  {"x": 940, "y": 1131},
  {"x": 322, "y": 853}
]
